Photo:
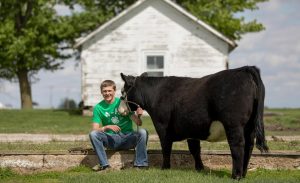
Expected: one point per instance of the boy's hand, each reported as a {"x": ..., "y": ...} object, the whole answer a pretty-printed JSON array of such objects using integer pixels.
[
  {"x": 139, "y": 111},
  {"x": 114, "y": 128}
]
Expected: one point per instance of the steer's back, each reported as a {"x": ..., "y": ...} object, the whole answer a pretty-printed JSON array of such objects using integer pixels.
[{"x": 196, "y": 102}]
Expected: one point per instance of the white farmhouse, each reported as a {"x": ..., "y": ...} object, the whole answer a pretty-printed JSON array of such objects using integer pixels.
[{"x": 154, "y": 36}]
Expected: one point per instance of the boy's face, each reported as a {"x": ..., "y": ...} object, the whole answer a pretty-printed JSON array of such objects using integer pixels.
[{"x": 108, "y": 94}]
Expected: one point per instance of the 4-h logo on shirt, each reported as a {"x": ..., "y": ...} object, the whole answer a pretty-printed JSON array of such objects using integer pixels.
[{"x": 115, "y": 120}]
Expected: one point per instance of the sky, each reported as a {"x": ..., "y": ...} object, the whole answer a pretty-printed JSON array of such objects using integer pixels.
[{"x": 275, "y": 51}]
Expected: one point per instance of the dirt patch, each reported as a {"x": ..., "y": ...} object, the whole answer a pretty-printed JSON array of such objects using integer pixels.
[{"x": 278, "y": 127}]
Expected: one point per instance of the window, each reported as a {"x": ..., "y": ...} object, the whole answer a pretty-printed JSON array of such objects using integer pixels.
[{"x": 155, "y": 65}]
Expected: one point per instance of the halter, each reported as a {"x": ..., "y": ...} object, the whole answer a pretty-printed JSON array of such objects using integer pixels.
[{"x": 126, "y": 102}]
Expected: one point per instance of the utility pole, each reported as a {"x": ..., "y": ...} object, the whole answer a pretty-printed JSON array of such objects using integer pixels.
[
  {"x": 68, "y": 102},
  {"x": 50, "y": 99}
]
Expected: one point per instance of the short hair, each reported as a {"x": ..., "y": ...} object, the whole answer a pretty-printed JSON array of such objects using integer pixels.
[{"x": 107, "y": 83}]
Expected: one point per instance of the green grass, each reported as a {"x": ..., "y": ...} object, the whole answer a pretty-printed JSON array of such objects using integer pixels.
[
  {"x": 72, "y": 122},
  {"x": 153, "y": 175},
  {"x": 62, "y": 147},
  {"x": 51, "y": 121},
  {"x": 286, "y": 122},
  {"x": 43, "y": 121}
]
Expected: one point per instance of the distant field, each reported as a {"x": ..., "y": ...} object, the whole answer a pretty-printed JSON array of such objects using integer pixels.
[
  {"x": 282, "y": 121},
  {"x": 278, "y": 122}
]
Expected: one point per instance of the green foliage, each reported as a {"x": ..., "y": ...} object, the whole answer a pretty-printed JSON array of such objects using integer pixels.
[
  {"x": 31, "y": 37},
  {"x": 34, "y": 37},
  {"x": 221, "y": 14}
]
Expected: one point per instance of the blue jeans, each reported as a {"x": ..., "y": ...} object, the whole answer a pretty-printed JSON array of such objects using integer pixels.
[{"x": 121, "y": 141}]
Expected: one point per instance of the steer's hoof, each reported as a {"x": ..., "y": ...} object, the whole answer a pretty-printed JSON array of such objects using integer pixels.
[{"x": 237, "y": 177}]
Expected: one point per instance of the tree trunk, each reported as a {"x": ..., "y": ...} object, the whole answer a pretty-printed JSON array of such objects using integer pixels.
[{"x": 25, "y": 90}]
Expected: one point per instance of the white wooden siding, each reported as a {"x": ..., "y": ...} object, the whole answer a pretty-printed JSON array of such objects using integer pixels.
[{"x": 190, "y": 50}]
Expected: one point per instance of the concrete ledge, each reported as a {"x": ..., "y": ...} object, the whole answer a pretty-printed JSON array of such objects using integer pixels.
[{"x": 124, "y": 159}]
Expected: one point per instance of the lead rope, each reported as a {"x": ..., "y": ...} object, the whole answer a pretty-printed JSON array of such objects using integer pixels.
[
  {"x": 139, "y": 116},
  {"x": 137, "y": 105}
]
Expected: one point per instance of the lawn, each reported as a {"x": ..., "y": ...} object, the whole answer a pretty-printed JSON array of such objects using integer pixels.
[
  {"x": 83, "y": 174},
  {"x": 50, "y": 121},
  {"x": 281, "y": 122}
]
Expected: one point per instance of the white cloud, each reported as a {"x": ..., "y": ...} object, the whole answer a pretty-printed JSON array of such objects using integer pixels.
[{"x": 275, "y": 51}]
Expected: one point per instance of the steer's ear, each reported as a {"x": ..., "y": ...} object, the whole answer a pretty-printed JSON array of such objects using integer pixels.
[
  {"x": 123, "y": 77},
  {"x": 145, "y": 74}
]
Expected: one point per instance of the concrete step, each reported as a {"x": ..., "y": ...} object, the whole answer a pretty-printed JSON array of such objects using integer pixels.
[{"x": 124, "y": 159}]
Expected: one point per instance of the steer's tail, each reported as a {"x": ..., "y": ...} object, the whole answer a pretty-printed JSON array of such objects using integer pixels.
[{"x": 258, "y": 117}]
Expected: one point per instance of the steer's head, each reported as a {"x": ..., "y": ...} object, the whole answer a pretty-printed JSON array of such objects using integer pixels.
[{"x": 131, "y": 91}]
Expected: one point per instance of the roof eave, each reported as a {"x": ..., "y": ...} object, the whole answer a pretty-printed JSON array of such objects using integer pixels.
[
  {"x": 208, "y": 27},
  {"x": 231, "y": 43},
  {"x": 106, "y": 24}
]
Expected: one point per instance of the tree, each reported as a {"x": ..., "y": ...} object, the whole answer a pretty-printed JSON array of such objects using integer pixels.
[
  {"x": 33, "y": 36},
  {"x": 221, "y": 14}
]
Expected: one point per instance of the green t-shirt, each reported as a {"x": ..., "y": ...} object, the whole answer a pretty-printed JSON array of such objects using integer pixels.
[{"x": 108, "y": 114}]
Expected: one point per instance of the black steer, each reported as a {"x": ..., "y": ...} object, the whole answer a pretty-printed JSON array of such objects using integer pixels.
[{"x": 199, "y": 108}]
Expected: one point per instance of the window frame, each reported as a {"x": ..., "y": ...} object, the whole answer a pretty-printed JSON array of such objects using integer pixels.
[{"x": 154, "y": 53}]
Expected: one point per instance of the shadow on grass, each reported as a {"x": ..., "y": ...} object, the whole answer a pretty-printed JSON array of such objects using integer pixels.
[{"x": 222, "y": 173}]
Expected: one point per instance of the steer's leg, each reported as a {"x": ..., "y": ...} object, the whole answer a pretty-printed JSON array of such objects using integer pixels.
[
  {"x": 235, "y": 137},
  {"x": 249, "y": 144},
  {"x": 195, "y": 149},
  {"x": 166, "y": 145},
  {"x": 166, "y": 142}
]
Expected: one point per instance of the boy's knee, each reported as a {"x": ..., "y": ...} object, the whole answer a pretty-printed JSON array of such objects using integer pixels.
[
  {"x": 95, "y": 134},
  {"x": 143, "y": 133}
]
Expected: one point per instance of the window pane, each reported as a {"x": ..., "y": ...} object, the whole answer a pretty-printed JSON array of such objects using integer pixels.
[
  {"x": 150, "y": 63},
  {"x": 155, "y": 74},
  {"x": 155, "y": 62},
  {"x": 160, "y": 62}
]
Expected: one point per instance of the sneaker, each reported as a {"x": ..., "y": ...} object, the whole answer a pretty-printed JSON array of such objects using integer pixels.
[{"x": 97, "y": 168}]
